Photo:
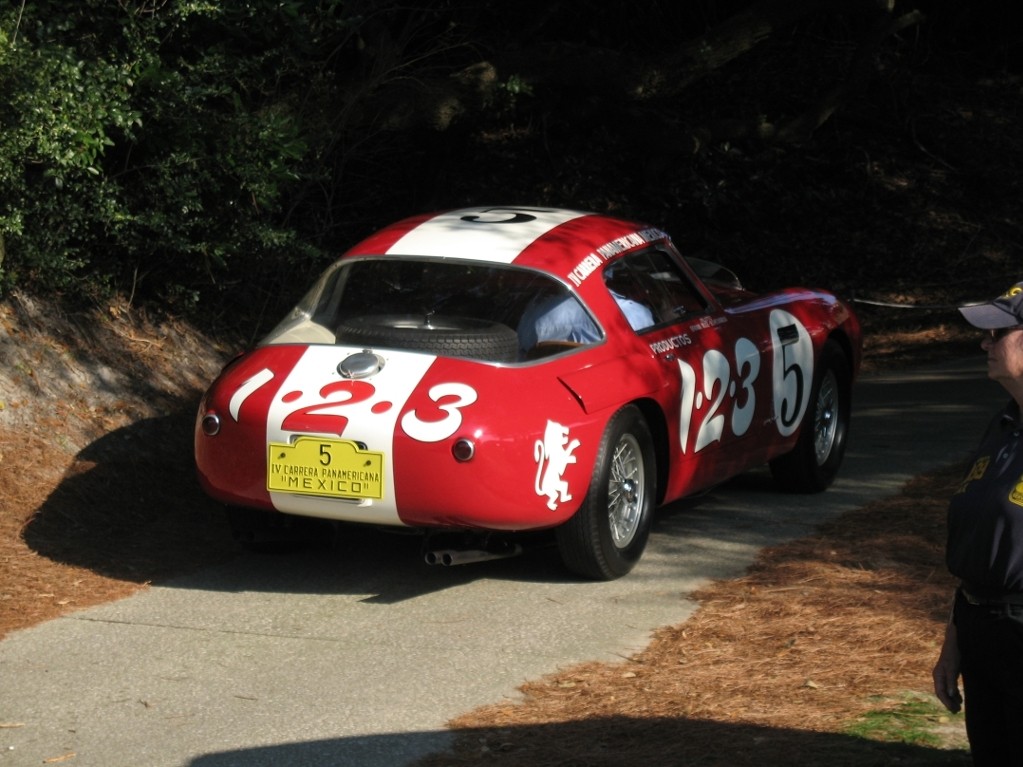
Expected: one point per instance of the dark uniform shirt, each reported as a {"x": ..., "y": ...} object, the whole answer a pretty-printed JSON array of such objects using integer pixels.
[{"x": 985, "y": 515}]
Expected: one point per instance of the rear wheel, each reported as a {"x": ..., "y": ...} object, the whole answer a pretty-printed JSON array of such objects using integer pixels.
[
  {"x": 607, "y": 535},
  {"x": 812, "y": 464}
]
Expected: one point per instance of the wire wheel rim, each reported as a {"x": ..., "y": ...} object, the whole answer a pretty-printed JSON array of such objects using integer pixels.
[
  {"x": 826, "y": 419},
  {"x": 626, "y": 491}
]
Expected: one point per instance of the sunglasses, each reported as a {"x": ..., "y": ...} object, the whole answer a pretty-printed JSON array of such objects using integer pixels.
[{"x": 997, "y": 334}]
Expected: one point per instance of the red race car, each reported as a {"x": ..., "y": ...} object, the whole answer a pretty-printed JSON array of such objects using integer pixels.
[{"x": 480, "y": 373}]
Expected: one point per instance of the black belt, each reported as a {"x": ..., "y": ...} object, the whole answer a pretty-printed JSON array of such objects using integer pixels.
[{"x": 982, "y": 598}]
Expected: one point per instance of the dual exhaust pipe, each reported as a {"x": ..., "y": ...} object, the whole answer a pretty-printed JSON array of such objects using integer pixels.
[{"x": 452, "y": 557}]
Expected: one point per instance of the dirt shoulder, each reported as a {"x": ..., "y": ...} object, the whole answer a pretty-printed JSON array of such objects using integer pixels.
[{"x": 99, "y": 496}]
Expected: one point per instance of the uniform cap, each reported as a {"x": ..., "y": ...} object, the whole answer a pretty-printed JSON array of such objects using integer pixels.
[{"x": 1002, "y": 312}]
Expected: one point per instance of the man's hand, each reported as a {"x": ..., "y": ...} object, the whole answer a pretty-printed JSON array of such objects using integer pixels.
[{"x": 946, "y": 672}]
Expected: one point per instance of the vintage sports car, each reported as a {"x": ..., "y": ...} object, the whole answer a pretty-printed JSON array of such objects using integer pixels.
[{"x": 479, "y": 373}]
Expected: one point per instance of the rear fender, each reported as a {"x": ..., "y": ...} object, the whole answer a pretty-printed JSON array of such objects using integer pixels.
[{"x": 609, "y": 383}]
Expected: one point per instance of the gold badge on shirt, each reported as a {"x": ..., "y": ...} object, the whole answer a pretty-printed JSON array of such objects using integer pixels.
[
  {"x": 977, "y": 471},
  {"x": 1016, "y": 496}
]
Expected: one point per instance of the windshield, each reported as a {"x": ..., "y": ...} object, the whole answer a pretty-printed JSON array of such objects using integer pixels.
[{"x": 455, "y": 308}]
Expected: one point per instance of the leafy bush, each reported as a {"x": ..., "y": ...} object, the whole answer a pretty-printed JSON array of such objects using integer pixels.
[
  {"x": 60, "y": 115},
  {"x": 146, "y": 145}
]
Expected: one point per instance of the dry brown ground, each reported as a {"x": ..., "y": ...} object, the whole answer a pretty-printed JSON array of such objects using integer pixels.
[
  {"x": 98, "y": 500},
  {"x": 98, "y": 497}
]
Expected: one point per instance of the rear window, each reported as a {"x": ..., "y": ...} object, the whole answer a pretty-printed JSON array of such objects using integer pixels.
[{"x": 416, "y": 303}]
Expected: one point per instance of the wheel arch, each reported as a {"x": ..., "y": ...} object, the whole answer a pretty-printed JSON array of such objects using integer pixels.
[
  {"x": 800, "y": 469},
  {"x": 849, "y": 346},
  {"x": 656, "y": 420}
]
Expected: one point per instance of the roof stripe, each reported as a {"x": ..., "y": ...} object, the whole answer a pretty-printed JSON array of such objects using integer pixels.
[{"x": 491, "y": 234}]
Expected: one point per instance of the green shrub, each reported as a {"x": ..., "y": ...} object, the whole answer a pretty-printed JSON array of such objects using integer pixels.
[{"x": 144, "y": 146}]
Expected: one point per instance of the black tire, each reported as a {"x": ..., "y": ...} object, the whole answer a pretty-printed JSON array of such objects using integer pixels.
[
  {"x": 812, "y": 464},
  {"x": 606, "y": 537},
  {"x": 444, "y": 336}
]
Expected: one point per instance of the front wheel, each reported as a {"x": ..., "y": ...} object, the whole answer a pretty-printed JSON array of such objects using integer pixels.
[
  {"x": 812, "y": 464},
  {"x": 605, "y": 538}
]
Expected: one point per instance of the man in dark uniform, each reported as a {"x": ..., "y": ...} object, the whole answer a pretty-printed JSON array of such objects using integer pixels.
[{"x": 984, "y": 637}]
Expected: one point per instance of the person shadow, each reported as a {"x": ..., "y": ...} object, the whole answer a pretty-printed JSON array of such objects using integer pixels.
[{"x": 599, "y": 741}]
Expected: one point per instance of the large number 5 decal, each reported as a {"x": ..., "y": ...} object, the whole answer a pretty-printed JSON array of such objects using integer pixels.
[
  {"x": 793, "y": 370},
  {"x": 504, "y": 216}
]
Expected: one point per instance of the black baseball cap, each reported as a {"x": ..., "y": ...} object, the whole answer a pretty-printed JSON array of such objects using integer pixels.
[{"x": 1005, "y": 311}]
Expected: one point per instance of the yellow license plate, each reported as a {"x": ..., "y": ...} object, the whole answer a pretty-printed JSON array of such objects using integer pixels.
[{"x": 333, "y": 468}]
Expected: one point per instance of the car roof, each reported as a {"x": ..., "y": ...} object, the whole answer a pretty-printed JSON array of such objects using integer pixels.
[{"x": 569, "y": 244}]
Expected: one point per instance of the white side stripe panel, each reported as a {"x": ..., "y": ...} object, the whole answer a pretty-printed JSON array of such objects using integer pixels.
[{"x": 376, "y": 418}]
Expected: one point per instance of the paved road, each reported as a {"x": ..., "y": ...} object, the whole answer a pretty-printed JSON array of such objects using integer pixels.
[{"x": 358, "y": 657}]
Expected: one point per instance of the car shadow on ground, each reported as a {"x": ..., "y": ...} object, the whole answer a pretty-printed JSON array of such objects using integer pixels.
[
  {"x": 618, "y": 741},
  {"x": 130, "y": 508}
]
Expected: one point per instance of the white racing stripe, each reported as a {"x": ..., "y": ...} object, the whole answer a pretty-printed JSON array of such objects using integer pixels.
[
  {"x": 376, "y": 422},
  {"x": 492, "y": 234}
]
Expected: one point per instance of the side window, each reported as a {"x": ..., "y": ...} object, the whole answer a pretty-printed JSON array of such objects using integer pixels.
[
  {"x": 653, "y": 281},
  {"x": 628, "y": 288}
]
